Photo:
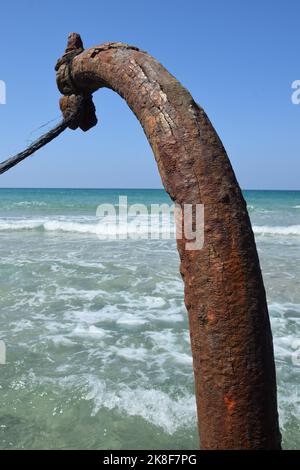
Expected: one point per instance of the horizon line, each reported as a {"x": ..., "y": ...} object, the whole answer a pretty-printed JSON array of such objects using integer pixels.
[{"x": 125, "y": 189}]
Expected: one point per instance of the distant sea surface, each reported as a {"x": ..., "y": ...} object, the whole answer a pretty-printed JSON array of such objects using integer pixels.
[{"x": 98, "y": 350}]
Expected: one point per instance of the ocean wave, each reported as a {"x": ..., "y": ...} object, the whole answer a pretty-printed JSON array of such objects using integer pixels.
[
  {"x": 277, "y": 230},
  {"x": 98, "y": 229},
  {"x": 154, "y": 406},
  {"x": 101, "y": 229},
  {"x": 260, "y": 210},
  {"x": 30, "y": 203},
  {"x": 20, "y": 225}
]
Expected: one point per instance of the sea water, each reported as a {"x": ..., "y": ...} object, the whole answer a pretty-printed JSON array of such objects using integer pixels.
[{"x": 97, "y": 343}]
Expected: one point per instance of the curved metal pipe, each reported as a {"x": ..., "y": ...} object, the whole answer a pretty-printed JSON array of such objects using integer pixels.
[{"x": 230, "y": 331}]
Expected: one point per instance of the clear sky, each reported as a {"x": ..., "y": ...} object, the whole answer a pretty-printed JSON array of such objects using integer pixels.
[{"x": 237, "y": 58}]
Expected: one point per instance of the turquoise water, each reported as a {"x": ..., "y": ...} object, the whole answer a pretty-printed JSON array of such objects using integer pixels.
[{"x": 98, "y": 352}]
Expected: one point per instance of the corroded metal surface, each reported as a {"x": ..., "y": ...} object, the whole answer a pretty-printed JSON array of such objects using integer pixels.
[{"x": 224, "y": 293}]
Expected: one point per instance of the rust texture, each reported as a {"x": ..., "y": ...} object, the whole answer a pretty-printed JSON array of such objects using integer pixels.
[{"x": 231, "y": 338}]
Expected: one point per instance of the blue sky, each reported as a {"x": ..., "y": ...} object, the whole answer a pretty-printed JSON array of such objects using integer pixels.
[{"x": 237, "y": 58}]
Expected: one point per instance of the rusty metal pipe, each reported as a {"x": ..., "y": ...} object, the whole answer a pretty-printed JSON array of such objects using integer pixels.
[{"x": 230, "y": 330}]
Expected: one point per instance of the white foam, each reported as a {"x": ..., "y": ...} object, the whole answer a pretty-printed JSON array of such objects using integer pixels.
[
  {"x": 171, "y": 343},
  {"x": 60, "y": 340},
  {"x": 88, "y": 331},
  {"x": 277, "y": 230},
  {"x": 131, "y": 353},
  {"x": 172, "y": 287},
  {"x": 30, "y": 203},
  {"x": 94, "y": 228},
  {"x": 108, "y": 314},
  {"x": 155, "y": 406},
  {"x": 20, "y": 225},
  {"x": 289, "y": 405},
  {"x": 70, "y": 292},
  {"x": 151, "y": 302},
  {"x": 130, "y": 319}
]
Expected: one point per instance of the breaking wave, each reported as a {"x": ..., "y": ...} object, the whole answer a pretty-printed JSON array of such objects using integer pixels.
[
  {"x": 99, "y": 228},
  {"x": 277, "y": 230},
  {"x": 85, "y": 228}
]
